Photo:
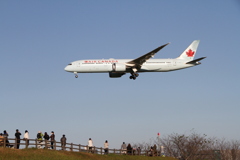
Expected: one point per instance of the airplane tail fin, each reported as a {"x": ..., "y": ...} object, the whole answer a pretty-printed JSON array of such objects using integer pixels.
[{"x": 190, "y": 52}]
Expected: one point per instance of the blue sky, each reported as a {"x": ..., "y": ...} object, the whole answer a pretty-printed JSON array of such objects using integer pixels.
[{"x": 39, "y": 38}]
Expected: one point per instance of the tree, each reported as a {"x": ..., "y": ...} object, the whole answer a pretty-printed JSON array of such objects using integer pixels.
[{"x": 194, "y": 146}]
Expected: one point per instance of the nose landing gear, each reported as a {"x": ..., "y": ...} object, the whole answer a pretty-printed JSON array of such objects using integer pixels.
[{"x": 76, "y": 75}]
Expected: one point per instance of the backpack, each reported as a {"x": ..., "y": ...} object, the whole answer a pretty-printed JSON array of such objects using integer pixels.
[{"x": 39, "y": 135}]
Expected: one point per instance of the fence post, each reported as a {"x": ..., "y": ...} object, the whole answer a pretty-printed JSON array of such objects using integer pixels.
[
  {"x": 26, "y": 146},
  {"x": 101, "y": 150},
  {"x": 15, "y": 143},
  {"x": 71, "y": 149},
  {"x": 4, "y": 142},
  {"x": 46, "y": 146},
  {"x": 36, "y": 143},
  {"x": 55, "y": 145},
  {"x": 114, "y": 150},
  {"x": 79, "y": 147}
]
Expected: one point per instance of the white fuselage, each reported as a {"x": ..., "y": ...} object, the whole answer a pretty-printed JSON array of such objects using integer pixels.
[
  {"x": 105, "y": 65},
  {"x": 118, "y": 67}
]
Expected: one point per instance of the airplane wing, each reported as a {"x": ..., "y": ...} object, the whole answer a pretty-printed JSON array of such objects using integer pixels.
[{"x": 137, "y": 63}]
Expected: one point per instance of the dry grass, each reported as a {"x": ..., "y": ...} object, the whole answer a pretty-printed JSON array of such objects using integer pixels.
[{"x": 42, "y": 154}]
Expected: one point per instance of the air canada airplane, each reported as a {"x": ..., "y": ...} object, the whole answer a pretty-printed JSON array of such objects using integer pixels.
[{"x": 118, "y": 67}]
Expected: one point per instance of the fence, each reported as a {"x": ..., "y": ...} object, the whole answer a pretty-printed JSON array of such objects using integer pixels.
[{"x": 45, "y": 144}]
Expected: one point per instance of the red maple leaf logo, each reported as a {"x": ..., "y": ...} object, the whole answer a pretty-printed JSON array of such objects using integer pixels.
[{"x": 190, "y": 53}]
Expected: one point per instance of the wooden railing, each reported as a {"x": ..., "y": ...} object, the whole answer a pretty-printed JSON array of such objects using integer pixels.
[{"x": 45, "y": 144}]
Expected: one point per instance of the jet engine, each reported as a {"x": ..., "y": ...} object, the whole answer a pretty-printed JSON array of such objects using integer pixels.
[
  {"x": 115, "y": 74},
  {"x": 118, "y": 67}
]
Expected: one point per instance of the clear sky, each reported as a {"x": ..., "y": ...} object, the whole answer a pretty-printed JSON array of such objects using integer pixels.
[{"x": 39, "y": 38}]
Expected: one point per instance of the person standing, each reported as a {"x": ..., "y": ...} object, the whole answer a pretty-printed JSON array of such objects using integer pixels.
[
  {"x": 155, "y": 150},
  {"x": 52, "y": 137},
  {"x": 106, "y": 145},
  {"x": 17, "y": 136},
  {"x": 129, "y": 149},
  {"x": 151, "y": 151},
  {"x": 46, "y": 136},
  {"x": 63, "y": 142},
  {"x": 139, "y": 151},
  {"x": 26, "y": 138},
  {"x": 90, "y": 145},
  {"x": 124, "y": 148},
  {"x": 1, "y": 139},
  {"x": 5, "y": 135}
]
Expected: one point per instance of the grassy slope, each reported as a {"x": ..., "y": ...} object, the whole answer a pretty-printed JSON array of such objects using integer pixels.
[{"x": 41, "y": 154}]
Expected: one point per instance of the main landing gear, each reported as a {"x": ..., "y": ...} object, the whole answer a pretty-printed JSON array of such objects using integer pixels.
[{"x": 134, "y": 76}]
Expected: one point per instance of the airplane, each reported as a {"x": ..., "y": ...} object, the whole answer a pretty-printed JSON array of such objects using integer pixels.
[{"x": 118, "y": 67}]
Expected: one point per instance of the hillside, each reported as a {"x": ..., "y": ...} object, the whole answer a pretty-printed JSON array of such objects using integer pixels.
[{"x": 41, "y": 154}]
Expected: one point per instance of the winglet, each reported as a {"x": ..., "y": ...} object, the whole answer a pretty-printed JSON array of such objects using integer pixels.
[{"x": 159, "y": 48}]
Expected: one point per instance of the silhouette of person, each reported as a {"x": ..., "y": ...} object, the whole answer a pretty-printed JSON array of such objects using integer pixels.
[
  {"x": 26, "y": 137},
  {"x": 129, "y": 149},
  {"x": 106, "y": 145},
  {"x": 17, "y": 135},
  {"x": 90, "y": 145},
  {"x": 5, "y": 135},
  {"x": 124, "y": 148},
  {"x": 52, "y": 137},
  {"x": 63, "y": 142}
]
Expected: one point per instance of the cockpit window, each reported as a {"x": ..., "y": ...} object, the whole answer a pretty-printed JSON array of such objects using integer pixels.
[{"x": 70, "y": 64}]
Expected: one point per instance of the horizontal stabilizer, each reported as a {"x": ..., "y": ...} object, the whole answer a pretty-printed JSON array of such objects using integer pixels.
[{"x": 196, "y": 60}]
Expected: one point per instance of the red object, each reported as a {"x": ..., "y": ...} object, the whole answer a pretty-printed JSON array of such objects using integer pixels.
[
  {"x": 158, "y": 134},
  {"x": 190, "y": 53}
]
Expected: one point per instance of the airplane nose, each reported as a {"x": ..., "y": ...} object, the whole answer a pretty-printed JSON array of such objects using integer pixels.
[{"x": 66, "y": 68}]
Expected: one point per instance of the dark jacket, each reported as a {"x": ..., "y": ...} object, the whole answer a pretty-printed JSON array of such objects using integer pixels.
[
  {"x": 129, "y": 148},
  {"x": 17, "y": 135},
  {"x": 46, "y": 136},
  {"x": 63, "y": 140},
  {"x": 52, "y": 137}
]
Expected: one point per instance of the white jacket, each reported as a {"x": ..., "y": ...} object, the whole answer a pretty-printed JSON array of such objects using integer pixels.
[
  {"x": 26, "y": 135},
  {"x": 90, "y": 143},
  {"x": 105, "y": 145}
]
